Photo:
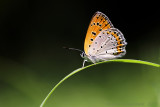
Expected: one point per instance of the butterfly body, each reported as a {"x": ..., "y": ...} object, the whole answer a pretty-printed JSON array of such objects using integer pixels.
[{"x": 103, "y": 41}]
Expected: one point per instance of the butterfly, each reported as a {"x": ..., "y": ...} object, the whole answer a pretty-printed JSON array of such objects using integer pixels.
[{"x": 103, "y": 41}]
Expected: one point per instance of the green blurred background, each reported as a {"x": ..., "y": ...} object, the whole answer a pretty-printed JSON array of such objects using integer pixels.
[{"x": 32, "y": 59}]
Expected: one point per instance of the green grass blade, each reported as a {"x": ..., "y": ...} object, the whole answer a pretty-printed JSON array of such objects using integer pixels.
[{"x": 80, "y": 69}]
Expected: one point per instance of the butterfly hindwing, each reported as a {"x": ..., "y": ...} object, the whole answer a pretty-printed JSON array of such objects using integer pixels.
[
  {"x": 108, "y": 42},
  {"x": 98, "y": 23}
]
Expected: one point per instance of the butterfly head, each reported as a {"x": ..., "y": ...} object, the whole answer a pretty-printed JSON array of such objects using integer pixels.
[
  {"x": 89, "y": 58},
  {"x": 83, "y": 55}
]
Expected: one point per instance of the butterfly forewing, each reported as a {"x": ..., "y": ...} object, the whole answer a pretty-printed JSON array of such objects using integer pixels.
[{"x": 98, "y": 23}]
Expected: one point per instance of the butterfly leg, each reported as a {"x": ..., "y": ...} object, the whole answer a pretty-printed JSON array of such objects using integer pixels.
[{"x": 84, "y": 63}]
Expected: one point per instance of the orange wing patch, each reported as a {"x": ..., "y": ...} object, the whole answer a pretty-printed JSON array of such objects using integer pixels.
[
  {"x": 98, "y": 23},
  {"x": 119, "y": 44}
]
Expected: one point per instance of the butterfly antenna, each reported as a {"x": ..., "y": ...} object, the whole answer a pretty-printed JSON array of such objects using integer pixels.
[{"x": 73, "y": 49}]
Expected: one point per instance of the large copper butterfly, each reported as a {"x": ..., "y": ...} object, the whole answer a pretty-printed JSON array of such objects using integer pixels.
[{"x": 103, "y": 41}]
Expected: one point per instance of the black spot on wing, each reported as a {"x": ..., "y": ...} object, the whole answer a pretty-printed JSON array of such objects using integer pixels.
[{"x": 94, "y": 33}]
